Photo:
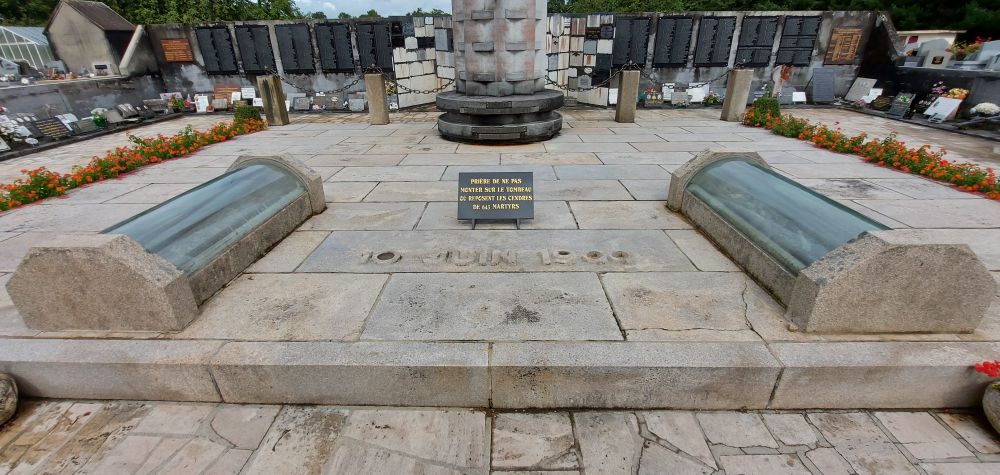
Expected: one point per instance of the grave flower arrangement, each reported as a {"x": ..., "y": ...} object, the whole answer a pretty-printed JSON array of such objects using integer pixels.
[
  {"x": 986, "y": 109},
  {"x": 41, "y": 183},
  {"x": 957, "y": 93},
  {"x": 991, "y": 398},
  {"x": 888, "y": 152},
  {"x": 711, "y": 99},
  {"x": 97, "y": 115}
]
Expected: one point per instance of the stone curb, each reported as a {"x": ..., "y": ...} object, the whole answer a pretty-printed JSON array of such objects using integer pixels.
[{"x": 515, "y": 375}]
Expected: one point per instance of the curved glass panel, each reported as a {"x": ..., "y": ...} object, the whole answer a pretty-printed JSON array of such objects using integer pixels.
[
  {"x": 794, "y": 224},
  {"x": 195, "y": 227}
]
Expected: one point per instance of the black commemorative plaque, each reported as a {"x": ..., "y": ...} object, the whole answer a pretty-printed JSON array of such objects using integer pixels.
[
  {"x": 900, "y": 105},
  {"x": 493, "y": 196},
  {"x": 823, "y": 83}
]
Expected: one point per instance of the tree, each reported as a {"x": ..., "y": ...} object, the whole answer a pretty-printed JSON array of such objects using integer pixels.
[
  {"x": 317, "y": 16},
  {"x": 434, "y": 12},
  {"x": 371, "y": 14},
  {"x": 344, "y": 16}
]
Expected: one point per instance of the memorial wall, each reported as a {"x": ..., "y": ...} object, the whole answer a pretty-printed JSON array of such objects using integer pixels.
[{"x": 323, "y": 58}]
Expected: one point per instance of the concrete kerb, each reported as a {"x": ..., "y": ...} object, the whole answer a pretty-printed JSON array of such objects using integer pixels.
[{"x": 523, "y": 375}]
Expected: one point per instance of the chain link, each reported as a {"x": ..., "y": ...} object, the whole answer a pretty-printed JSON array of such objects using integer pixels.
[{"x": 309, "y": 91}]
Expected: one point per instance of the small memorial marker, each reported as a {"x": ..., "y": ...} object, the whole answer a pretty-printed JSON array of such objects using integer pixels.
[
  {"x": 4, "y": 146},
  {"x": 52, "y": 128},
  {"x": 84, "y": 126},
  {"x": 823, "y": 84},
  {"x": 495, "y": 196},
  {"x": 900, "y": 105}
]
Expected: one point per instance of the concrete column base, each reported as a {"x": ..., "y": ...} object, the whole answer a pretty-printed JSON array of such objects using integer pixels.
[
  {"x": 628, "y": 96},
  {"x": 378, "y": 104},
  {"x": 737, "y": 93}
]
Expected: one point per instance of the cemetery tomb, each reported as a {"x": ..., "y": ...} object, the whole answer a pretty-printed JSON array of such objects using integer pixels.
[
  {"x": 835, "y": 270},
  {"x": 150, "y": 272}
]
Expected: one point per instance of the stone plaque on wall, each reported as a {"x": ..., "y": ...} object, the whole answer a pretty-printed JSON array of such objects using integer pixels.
[
  {"x": 177, "y": 50},
  {"x": 843, "y": 48}
]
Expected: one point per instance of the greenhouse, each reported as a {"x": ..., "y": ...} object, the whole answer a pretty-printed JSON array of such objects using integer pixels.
[{"x": 27, "y": 44}]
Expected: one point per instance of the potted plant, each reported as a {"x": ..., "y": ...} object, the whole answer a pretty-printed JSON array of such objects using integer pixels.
[
  {"x": 991, "y": 398},
  {"x": 711, "y": 99}
]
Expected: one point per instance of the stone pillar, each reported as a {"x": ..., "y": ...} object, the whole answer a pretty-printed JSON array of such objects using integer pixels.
[
  {"x": 500, "y": 68},
  {"x": 378, "y": 104},
  {"x": 273, "y": 98},
  {"x": 737, "y": 93},
  {"x": 628, "y": 96}
]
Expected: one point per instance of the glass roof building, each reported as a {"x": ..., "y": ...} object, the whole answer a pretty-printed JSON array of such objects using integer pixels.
[{"x": 25, "y": 43}]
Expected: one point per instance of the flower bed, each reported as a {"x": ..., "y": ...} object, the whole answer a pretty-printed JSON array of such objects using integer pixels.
[
  {"x": 41, "y": 183},
  {"x": 888, "y": 152}
]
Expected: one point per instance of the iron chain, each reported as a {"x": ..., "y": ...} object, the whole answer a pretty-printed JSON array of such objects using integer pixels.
[{"x": 307, "y": 90}]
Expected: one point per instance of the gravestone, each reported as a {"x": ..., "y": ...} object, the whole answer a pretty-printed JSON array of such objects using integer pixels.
[
  {"x": 127, "y": 110},
  {"x": 113, "y": 116},
  {"x": 220, "y": 104},
  {"x": 493, "y": 196},
  {"x": 785, "y": 96},
  {"x": 860, "y": 89},
  {"x": 52, "y": 128},
  {"x": 84, "y": 126},
  {"x": 822, "y": 85},
  {"x": 145, "y": 113},
  {"x": 302, "y": 103},
  {"x": 900, "y": 105}
]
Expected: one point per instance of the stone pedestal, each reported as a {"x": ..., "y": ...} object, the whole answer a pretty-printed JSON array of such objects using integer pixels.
[
  {"x": 737, "y": 93},
  {"x": 378, "y": 105},
  {"x": 500, "y": 66},
  {"x": 628, "y": 96},
  {"x": 273, "y": 97}
]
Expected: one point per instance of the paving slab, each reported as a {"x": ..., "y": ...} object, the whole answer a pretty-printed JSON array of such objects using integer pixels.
[
  {"x": 289, "y": 253},
  {"x": 97, "y": 192},
  {"x": 442, "y": 148},
  {"x": 299, "y": 441},
  {"x": 966, "y": 468},
  {"x": 366, "y": 216},
  {"x": 702, "y": 252},
  {"x": 456, "y": 438},
  {"x": 548, "y": 215},
  {"x": 791, "y": 429},
  {"x": 496, "y": 251},
  {"x": 736, "y": 429},
  {"x": 922, "y": 435},
  {"x": 611, "y": 172},
  {"x": 861, "y": 443},
  {"x": 679, "y": 301},
  {"x": 243, "y": 426},
  {"x": 626, "y": 215},
  {"x": 380, "y": 373},
  {"x": 850, "y": 188},
  {"x": 487, "y": 158},
  {"x": 620, "y": 138},
  {"x": 589, "y": 147},
  {"x": 704, "y": 137},
  {"x": 829, "y": 462},
  {"x": 400, "y": 173},
  {"x": 608, "y": 441},
  {"x": 581, "y": 190},
  {"x": 923, "y": 189},
  {"x": 154, "y": 193},
  {"x": 785, "y": 464},
  {"x": 414, "y": 191},
  {"x": 492, "y": 307},
  {"x": 347, "y": 191},
  {"x": 645, "y": 158},
  {"x": 355, "y": 160},
  {"x": 975, "y": 430},
  {"x": 68, "y": 218},
  {"x": 175, "y": 419},
  {"x": 591, "y": 374},
  {"x": 550, "y": 158},
  {"x": 968, "y": 213},
  {"x": 680, "y": 429},
  {"x": 540, "y": 172},
  {"x": 533, "y": 441},
  {"x": 647, "y": 190},
  {"x": 656, "y": 459},
  {"x": 837, "y": 170},
  {"x": 308, "y": 307}
]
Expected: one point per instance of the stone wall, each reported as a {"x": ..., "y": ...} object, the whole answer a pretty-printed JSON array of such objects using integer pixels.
[
  {"x": 79, "y": 97},
  {"x": 581, "y": 50}
]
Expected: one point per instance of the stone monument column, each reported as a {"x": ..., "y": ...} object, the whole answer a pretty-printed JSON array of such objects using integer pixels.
[{"x": 500, "y": 67}]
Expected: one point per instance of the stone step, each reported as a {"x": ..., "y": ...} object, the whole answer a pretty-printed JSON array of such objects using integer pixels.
[{"x": 509, "y": 375}]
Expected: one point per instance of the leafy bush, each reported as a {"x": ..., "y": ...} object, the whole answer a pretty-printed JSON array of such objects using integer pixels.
[
  {"x": 768, "y": 105},
  {"x": 244, "y": 111}
]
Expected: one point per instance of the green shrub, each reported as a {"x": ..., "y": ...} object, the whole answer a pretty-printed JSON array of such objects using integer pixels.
[
  {"x": 244, "y": 111},
  {"x": 767, "y": 106}
]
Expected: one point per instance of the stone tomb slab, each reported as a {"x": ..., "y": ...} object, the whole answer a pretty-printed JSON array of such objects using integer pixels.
[
  {"x": 496, "y": 251},
  {"x": 493, "y": 307}
]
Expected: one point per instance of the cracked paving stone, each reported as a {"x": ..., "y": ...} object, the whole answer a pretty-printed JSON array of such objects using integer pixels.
[
  {"x": 975, "y": 430},
  {"x": 829, "y": 462},
  {"x": 299, "y": 441},
  {"x": 175, "y": 419},
  {"x": 656, "y": 459},
  {"x": 680, "y": 429},
  {"x": 196, "y": 456},
  {"x": 791, "y": 429},
  {"x": 535, "y": 441},
  {"x": 244, "y": 426},
  {"x": 736, "y": 429},
  {"x": 456, "y": 438},
  {"x": 609, "y": 441}
]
